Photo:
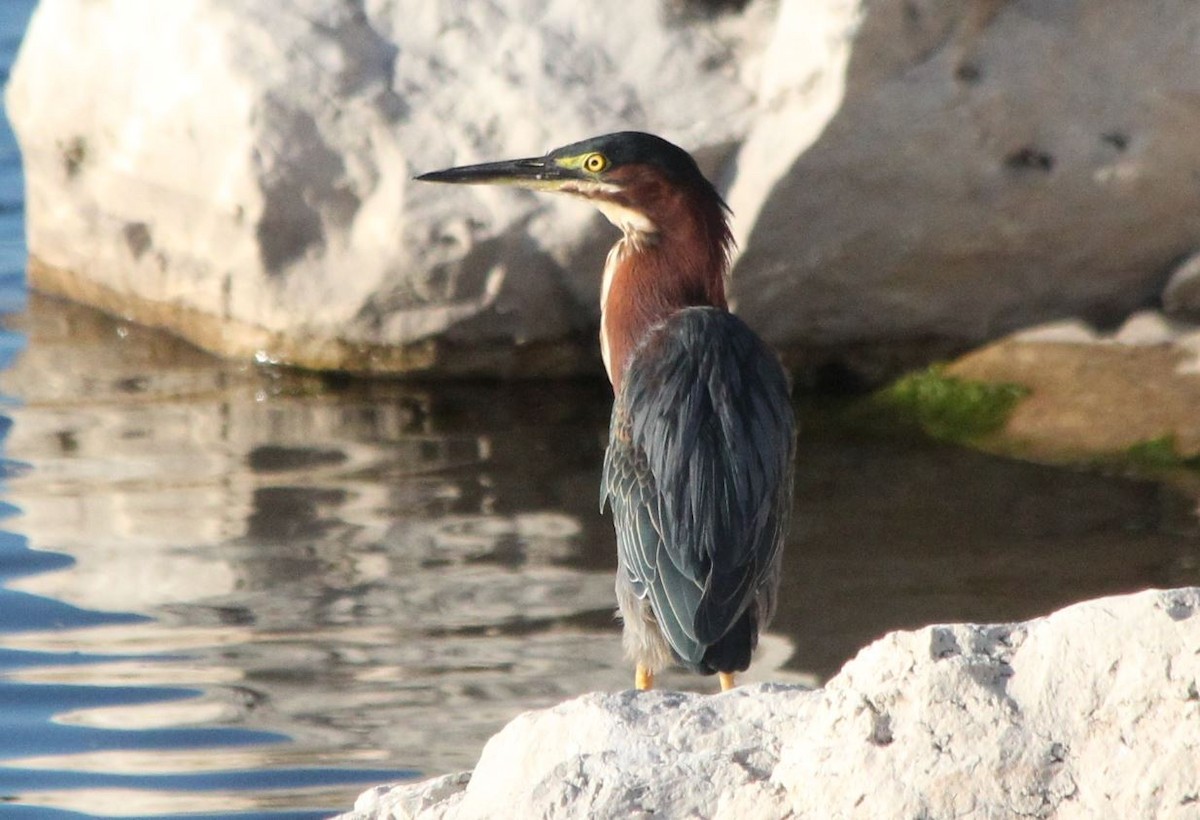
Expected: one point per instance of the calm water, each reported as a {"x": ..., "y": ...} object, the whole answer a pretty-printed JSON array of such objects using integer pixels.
[
  {"x": 236, "y": 590},
  {"x": 229, "y": 591}
]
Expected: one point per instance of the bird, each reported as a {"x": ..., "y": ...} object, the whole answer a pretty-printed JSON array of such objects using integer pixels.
[{"x": 699, "y": 466}]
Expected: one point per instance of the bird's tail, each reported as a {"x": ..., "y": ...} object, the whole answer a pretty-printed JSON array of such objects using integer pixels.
[{"x": 731, "y": 652}]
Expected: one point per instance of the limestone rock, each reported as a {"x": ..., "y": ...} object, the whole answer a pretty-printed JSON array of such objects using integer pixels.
[
  {"x": 989, "y": 165},
  {"x": 240, "y": 172},
  {"x": 1093, "y": 711},
  {"x": 908, "y": 178}
]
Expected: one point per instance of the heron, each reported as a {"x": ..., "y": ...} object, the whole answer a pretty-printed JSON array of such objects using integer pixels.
[{"x": 699, "y": 465}]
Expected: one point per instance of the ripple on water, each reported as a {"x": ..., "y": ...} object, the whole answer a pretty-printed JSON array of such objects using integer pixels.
[
  {"x": 244, "y": 590},
  {"x": 308, "y": 589}
]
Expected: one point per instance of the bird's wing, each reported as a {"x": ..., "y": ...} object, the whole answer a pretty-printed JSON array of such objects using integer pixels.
[{"x": 698, "y": 473}]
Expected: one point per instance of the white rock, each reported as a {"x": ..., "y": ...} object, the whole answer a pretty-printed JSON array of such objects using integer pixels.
[
  {"x": 1150, "y": 327},
  {"x": 1091, "y": 712},
  {"x": 903, "y": 174},
  {"x": 241, "y": 171},
  {"x": 1067, "y": 331},
  {"x": 1142, "y": 328},
  {"x": 1181, "y": 296},
  {"x": 988, "y": 166}
]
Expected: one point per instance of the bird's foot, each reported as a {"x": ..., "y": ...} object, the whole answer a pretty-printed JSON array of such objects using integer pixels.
[
  {"x": 727, "y": 681},
  {"x": 643, "y": 678}
]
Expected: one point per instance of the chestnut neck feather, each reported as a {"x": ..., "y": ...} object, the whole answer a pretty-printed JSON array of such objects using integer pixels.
[{"x": 681, "y": 263}]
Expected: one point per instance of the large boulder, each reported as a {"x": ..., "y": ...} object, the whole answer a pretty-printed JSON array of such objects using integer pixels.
[
  {"x": 908, "y": 178},
  {"x": 990, "y": 165},
  {"x": 240, "y": 172},
  {"x": 1090, "y": 712}
]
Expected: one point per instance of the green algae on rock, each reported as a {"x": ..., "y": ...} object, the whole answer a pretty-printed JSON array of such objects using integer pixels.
[
  {"x": 1129, "y": 397},
  {"x": 946, "y": 407},
  {"x": 1159, "y": 454}
]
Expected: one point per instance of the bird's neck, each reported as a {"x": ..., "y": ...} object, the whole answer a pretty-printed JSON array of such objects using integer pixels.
[{"x": 651, "y": 274}]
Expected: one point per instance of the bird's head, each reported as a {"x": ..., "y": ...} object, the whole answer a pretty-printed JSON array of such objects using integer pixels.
[{"x": 641, "y": 182}]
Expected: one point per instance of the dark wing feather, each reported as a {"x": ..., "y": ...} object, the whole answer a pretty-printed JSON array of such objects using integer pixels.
[{"x": 698, "y": 473}]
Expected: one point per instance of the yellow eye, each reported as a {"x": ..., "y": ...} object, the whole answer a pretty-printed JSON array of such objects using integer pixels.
[{"x": 595, "y": 163}]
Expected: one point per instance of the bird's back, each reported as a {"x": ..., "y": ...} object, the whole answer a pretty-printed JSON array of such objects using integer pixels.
[{"x": 698, "y": 473}]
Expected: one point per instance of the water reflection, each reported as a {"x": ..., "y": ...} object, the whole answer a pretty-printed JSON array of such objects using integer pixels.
[
  {"x": 900, "y": 534},
  {"x": 255, "y": 590},
  {"x": 378, "y": 573}
]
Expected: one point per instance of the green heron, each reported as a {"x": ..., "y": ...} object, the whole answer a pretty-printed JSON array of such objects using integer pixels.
[{"x": 698, "y": 471}]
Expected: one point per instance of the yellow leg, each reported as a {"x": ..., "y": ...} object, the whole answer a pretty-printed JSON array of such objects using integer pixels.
[
  {"x": 727, "y": 681},
  {"x": 643, "y": 679}
]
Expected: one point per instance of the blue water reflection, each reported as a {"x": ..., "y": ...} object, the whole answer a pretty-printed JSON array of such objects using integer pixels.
[
  {"x": 284, "y": 590},
  {"x": 47, "y": 726},
  {"x": 14, "y": 16},
  {"x": 30, "y": 728},
  {"x": 47, "y": 723},
  {"x": 35, "y": 718}
]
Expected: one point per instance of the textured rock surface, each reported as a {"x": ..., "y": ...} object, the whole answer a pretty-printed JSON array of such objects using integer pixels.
[
  {"x": 991, "y": 165},
  {"x": 1097, "y": 394},
  {"x": 1093, "y": 711},
  {"x": 907, "y": 177},
  {"x": 240, "y": 171},
  {"x": 1181, "y": 296}
]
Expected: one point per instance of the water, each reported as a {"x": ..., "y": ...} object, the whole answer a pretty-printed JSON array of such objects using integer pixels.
[
  {"x": 13, "y": 16},
  {"x": 229, "y": 591}
]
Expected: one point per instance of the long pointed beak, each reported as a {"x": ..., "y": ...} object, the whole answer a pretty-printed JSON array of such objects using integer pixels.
[{"x": 535, "y": 172}]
